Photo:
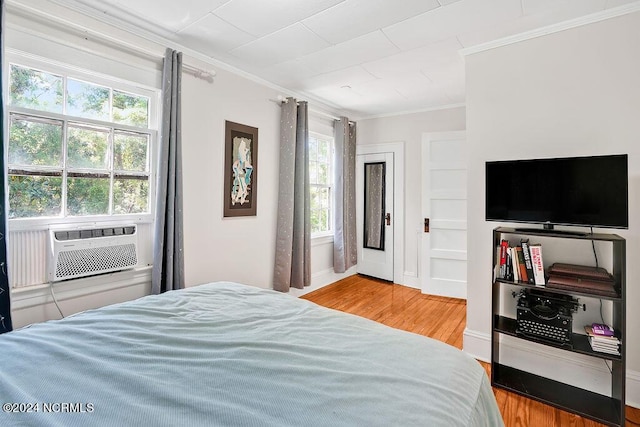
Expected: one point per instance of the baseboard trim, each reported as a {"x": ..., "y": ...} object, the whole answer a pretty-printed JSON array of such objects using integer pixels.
[
  {"x": 576, "y": 369},
  {"x": 446, "y": 288},
  {"x": 477, "y": 345},
  {"x": 321, "y": 279},
  {"x": 633, "y": 388},
  {"x": 411, "y": 280}
]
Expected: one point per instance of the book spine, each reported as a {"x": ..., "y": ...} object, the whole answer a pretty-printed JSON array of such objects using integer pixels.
[
  {"x": 523, "y": 267},
  {"x": 516, "y": 266},
  {"x": 509, "y": 268},
  {"x": 503, "y": 258},
  {"x": 496, "y": 269},
  {"x": 537, "y": 264},
  {"x": 527, "y": 261}
]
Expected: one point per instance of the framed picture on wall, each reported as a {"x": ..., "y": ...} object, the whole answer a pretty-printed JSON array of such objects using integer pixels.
[{"x": 240, "y": 170}]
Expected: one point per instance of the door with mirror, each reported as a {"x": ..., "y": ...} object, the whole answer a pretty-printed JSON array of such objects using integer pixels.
[{"x": 374, "y": 189}]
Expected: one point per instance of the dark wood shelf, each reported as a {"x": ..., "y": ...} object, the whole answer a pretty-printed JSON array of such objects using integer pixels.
[
  {"x": 588, "y": 404},
  {"x": 580, "y": 342},
  {"x": 560, "y": 291},
  {"x": 609, "y": 409}
]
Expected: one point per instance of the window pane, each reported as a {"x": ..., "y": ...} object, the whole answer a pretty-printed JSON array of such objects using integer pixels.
[
  {"x": 130, "y": 195},
  {"x": 313, "y": 172},
  {"x": 313, "y": 148},
  {"x": 130, "y": 152},
  {"x": 35, "y": 89},
  {"x": 323, "y": 151},
  {"x": 314, "y": 200},
  {"x": 323, "y": 194},
  {"x": 87, "y": 147},
  {"x": 323, "y": 174},
  {"x": 87, "y": 100},
  {"x": 319, "y": 220},
  {"x": 315, "y": 222},
  {"x": 323, "y": 220},
  {"x": 130, "y": 109},
  {"x": 35, "y": 143},
  {"x": 87, "y": 196},
  {"x": 33, "y": 196}
]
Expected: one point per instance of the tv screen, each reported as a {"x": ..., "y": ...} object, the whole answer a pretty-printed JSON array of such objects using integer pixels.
[{"x": 582, "y": 191}]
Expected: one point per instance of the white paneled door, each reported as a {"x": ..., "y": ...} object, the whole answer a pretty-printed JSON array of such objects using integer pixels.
[
  {"x": 375, "y": 215},
  {"x": 444, "y": 208}
]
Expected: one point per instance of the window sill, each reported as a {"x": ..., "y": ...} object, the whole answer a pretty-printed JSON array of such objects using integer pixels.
[
  {"x": 321, "y": 239},
  {"x": 33, "y": 224}
]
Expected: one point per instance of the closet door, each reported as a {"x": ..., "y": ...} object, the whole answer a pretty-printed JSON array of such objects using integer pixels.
[{"x": 444, "y": 208}]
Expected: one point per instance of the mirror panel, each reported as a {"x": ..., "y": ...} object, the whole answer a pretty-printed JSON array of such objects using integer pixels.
[{"x": 374, "y": 206}]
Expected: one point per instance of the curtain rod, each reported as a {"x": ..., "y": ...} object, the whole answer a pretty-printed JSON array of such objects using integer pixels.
[
  {"x": 186, "y": 68},
  {"x": 112, "y": 41},
  {"x": 198, "y": 73},
  {"x": 283, "y": 100}
]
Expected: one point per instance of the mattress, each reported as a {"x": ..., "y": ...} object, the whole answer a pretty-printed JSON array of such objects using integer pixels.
[{"x": 226, "y": 354}]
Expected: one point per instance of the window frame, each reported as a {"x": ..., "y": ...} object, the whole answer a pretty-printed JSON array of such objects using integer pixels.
[
  {"x": 331, "y": 209},
  {"x": 115, "y": 84}
]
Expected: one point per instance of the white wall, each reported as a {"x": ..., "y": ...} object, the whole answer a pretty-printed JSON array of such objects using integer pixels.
[
  {"x": 409, "y": 129},
  {"x": 239, "y": 249},
  {"x": 216, "y": 248},
  {"x": 570, "y": 93}
]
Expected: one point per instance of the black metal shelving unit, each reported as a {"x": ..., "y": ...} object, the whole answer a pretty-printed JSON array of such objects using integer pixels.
[{"x": 608, "y": 410}]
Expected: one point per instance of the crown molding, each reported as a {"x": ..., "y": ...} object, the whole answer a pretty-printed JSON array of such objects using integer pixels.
[
  {"x": 407, "y": 112},
  {"x": 555, "y": 28}
]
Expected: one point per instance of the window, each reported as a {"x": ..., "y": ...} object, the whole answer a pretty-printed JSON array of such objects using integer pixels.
[
  {"x": 77, "y": 148},
  {"x": 321, "y": 183}
]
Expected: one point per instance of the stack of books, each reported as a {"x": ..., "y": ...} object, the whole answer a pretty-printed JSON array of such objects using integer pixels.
[
  {"x": 602, "y": 339},
  {"x": 521, "y": 264},
  {"x": 580, "y": 278}
]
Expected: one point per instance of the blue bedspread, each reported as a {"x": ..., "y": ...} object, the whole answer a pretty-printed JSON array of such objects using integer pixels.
[{"x": 225, "y": 354}]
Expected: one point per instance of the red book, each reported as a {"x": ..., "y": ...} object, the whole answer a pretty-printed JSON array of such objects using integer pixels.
[{"x": 503, "y": 258}]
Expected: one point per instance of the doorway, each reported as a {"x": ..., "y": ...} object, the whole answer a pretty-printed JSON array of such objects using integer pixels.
[
  {"x": 375, "y": 228},
  {"x": 393, "y": 155}
]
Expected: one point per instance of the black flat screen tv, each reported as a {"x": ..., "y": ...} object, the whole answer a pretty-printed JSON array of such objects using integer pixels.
[{"x": 578, "y": 191}]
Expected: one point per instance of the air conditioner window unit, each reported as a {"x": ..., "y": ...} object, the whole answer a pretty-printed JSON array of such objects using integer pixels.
[{"x": 80, "y": 252}]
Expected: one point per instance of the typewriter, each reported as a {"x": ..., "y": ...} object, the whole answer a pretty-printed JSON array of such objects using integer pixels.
[{"x": 545, "y": 316}]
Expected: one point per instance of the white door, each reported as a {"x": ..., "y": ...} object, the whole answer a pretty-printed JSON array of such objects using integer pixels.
[
  {"x": 374, "y": 214},
  {"x": 444, "y": 209}
]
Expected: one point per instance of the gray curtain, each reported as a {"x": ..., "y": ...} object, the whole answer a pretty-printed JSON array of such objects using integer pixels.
[
  {"x": 168, "y": 253},
  {"x": 345, "y": 253},
  {"x": 293, "y": 236},
  {"x": 5, "y": 301}
]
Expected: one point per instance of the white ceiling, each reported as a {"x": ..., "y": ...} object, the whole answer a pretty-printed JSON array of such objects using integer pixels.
[{"x": 365, "y": 57}]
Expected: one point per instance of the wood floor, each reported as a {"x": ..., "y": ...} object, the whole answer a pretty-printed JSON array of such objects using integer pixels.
[{"x": 443, "y": 319}]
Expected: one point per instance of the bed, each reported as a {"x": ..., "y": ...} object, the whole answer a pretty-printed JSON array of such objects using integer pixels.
[{"x": 226, "y": 354}]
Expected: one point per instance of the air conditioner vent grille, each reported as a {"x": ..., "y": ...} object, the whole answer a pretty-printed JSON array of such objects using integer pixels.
[
  {"x": 92, "y": 233},
  {"x": 81, "y": 262}
]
